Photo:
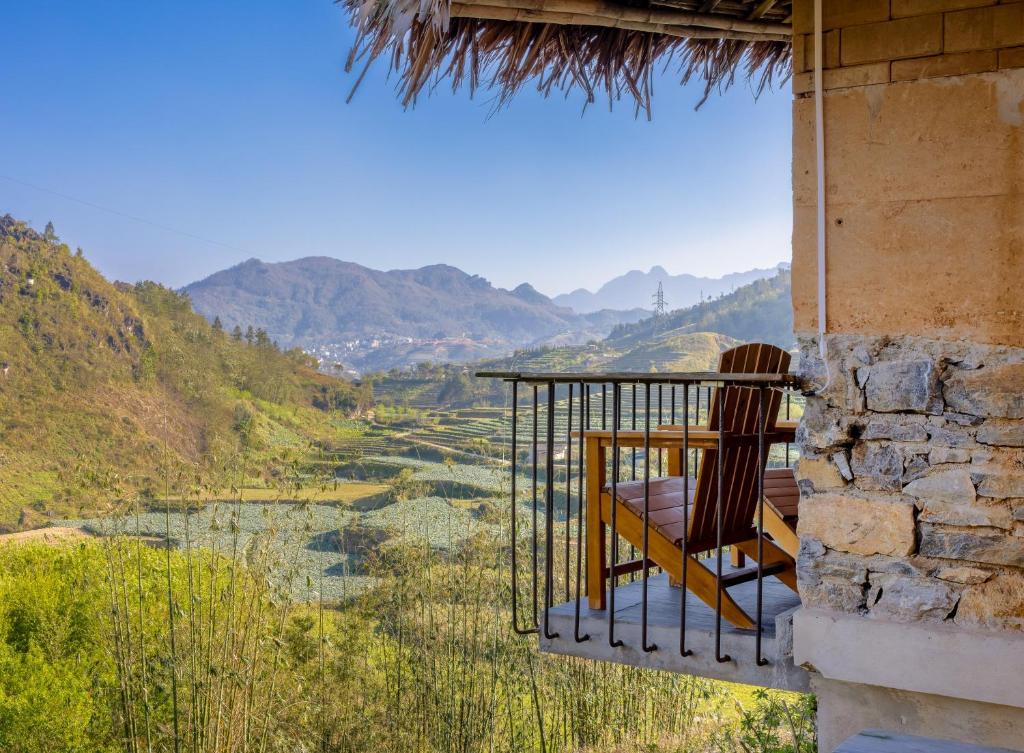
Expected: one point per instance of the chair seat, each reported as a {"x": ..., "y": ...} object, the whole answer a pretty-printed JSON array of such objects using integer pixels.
[
  {"x": 665, "y": 505},
  {"x": 783, "y": 494}
]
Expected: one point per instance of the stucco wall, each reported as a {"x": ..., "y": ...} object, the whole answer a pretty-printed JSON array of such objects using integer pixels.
[{"x": 925, "y": 169}]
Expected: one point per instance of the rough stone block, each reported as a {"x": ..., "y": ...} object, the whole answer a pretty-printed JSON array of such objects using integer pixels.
[
  {"x": 911, "y": 599},
  {"x": 897, "y": 428},
  {"x": 902, "y": 386},
  {"x": 998, "y": 603},
  {"x": 877, "y": 466},
  {"x": 901, "y": 8},
  {"x": 992, "y": 391},
  {"x": 942, "y": 455},
  {"x": 936, "y": 66},
  {"x": 842, "y": 465},
  {"x": 859, "y": 525},
  {"x": 994, "y": 548},
  {"x": 819, "y": 473},
  {"x": 1005, "y": 484},
  {"x": 820, "y": 427},
  {"x": 980, "y": 514},
  {"x": 998, "y": 472},
  {"x": 984, "y": 28},
  {"x": 967, "y": 575},
  {"x": 949, "y": 487},
  {"x": 892, "y": 40},
  {"x": 940, "y": 436},
  {"x": 1001, "y": 432}
]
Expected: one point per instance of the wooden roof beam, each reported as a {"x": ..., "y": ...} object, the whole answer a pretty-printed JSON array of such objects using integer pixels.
[
  {"x": 490, "y": 10},
  {"x": 657, "y": 16},
  {"x": 761, "y": 9}
]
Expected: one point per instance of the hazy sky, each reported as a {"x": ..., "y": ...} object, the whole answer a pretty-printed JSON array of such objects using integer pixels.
[{"x": 227, "y": 121}]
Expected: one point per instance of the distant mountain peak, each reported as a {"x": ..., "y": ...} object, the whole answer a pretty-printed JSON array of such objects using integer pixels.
[
  {"x": 635, "y": 288},
  {"x": 526, "y": 292}
]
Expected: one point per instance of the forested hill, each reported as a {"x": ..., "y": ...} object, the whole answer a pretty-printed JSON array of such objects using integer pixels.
[
  {"x": 108, "y": 387},
  {"x": 317, "y": 300},
  {"x": 761, "y": 311}
]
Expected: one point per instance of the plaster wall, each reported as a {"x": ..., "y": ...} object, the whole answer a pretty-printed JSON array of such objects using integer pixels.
[
  {"x": 912, "y": 443},
  {"x": 925, "y": 206}
]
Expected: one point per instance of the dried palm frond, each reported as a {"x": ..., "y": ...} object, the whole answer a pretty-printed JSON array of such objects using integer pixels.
[{"x": 504, "y": 44}]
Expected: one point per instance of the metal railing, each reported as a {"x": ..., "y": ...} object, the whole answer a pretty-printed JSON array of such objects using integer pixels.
[{"x": 576, "y": 403}]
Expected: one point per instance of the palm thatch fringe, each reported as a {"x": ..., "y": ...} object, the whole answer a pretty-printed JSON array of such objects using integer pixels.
[{"x": 593, "y": 45}]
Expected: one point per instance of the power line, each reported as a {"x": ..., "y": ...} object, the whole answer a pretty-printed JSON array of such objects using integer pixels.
[{"x": 125, "y": 215}]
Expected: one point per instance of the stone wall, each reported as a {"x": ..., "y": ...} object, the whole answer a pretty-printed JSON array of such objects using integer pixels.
[{"x": 912, "y": 478}]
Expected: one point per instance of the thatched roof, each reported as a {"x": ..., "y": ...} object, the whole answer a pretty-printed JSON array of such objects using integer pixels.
[{"x": 609, "y": 46}]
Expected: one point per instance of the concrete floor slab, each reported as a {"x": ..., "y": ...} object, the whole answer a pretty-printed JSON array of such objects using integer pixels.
[{"x": 663, "y": 606}]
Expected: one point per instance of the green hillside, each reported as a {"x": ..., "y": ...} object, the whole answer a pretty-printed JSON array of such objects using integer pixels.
[
  {"x": 759, "y": 312},
  {"x": 113, "y": 386}
]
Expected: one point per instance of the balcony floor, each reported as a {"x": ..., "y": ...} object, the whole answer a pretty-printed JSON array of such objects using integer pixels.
[{"x": 779, "y": 603}]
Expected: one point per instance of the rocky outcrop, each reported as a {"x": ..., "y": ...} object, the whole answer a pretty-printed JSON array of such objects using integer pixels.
[{"x": 912, "y": 473}]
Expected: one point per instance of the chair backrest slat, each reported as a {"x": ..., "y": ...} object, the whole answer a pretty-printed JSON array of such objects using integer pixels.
[{"x": 734, "y": 412}]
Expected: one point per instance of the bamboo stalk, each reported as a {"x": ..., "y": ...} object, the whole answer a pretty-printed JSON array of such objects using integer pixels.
[
  {"x": 678, "y": 18},
  {"x": 480, "y": 11}
]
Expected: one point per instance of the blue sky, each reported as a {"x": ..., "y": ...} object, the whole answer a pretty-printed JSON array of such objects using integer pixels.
[{"x": 228, "y": 121}]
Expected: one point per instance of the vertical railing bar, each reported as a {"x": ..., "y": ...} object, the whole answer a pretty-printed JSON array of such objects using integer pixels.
[
  {"x": 536, "y": 414},
  {"x": 604, "y": 407},
  {"x": 588, "y": 402},
  {"x": 647, "y": 527},
  {"x": 568, "y": 483},
  {"x": 584, "y": 424},
  {"x": 683, "y": 651},
  {"x": 718, "y": 526},
  {"x": 515, "y": 536},
  {"x": 632, "y": 425},
  {"x": 760, "y": 521},
  {"x": 660, "y": 415},
  {"x": 616, "y": 398},
  {"x": 549, "y": 493},
  {"x": 672, "y": 416}
]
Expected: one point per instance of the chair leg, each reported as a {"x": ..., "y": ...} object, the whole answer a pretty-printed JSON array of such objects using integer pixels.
[
  {"x": 772, "y": 554},
  {"x": 701, "y": 583},
  {"x": 736, "y": 557},
  {"x": 596, "y": 555}
]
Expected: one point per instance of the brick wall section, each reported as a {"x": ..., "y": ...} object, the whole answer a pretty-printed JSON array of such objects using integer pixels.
[{"x": 878, "y": 41}]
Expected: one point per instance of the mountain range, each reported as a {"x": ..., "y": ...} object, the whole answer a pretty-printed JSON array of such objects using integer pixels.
[
  {"x": 371, "y": 319},
  {"x": 635, "y": 289}
]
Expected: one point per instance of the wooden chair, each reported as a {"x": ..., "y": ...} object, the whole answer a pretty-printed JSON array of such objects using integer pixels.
[{"x": 734, "y": 413}]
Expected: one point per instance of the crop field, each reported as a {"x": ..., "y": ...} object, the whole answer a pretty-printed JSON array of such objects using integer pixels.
[{"x": 320, "y": 548}]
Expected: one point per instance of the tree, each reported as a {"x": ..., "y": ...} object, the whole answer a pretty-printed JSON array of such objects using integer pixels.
[
  {"x": 249, "y": 335},
  {"x": 236, "y": 334},
  {"x": 217, "y": 325},
  {"x": 49, "y": 234}
]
